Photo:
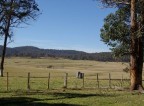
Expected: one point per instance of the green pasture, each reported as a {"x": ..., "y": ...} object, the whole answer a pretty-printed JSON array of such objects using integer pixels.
[
  {"x": 17, "y": 93},
  {"x": 70, "y": 97}
]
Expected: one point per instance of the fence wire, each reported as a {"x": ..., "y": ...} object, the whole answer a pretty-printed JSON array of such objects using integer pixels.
[{"x": 47, "y": 81}]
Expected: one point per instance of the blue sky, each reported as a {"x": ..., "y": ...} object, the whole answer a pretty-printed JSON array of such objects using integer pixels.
[{"x": 66, "y": 25}]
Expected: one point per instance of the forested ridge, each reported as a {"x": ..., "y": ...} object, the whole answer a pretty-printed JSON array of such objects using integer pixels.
[{"x": 34, "y": 52}]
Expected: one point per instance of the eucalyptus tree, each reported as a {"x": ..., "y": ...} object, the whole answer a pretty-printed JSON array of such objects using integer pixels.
[
  {"x": 124, "y": 32},
  {"x": 13, "y": 14},
  {"x": 116, "y": 30}
]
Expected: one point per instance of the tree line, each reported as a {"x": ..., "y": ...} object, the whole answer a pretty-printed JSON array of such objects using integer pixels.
[{"x": 34, "y": 52}]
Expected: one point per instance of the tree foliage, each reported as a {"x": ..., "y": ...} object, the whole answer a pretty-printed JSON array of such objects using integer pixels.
[
  {"x": 116, "y": 31},
  {"x": 17, "y": 12}
]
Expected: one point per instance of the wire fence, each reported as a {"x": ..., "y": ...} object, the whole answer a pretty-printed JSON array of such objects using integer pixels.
[{"x": 47, "y": 81}]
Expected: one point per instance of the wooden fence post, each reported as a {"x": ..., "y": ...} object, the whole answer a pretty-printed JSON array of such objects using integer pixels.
[
  {"x": 122, "y": 81},
  {"x": 83, "y": 79},
  {"x": 65, "y": 80},
  {"x": 7, "y": 81},
  {"x": 28, "y": 84},
  {"x": 109, "y": 80},
  {"x": 97, "y": 80},
  {"x": 49, "y": 81}
]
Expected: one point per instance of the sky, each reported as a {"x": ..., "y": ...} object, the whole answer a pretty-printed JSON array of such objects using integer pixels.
[{"x": 65, "y": 25}]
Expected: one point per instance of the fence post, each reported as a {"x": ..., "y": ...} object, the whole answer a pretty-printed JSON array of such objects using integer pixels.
[
  {"x": 109, "y": 80},
  {"x": 28, "y": 84},
  {"x": 83, "y": 79},
  {"x": 49, "y": 81},
  {"x": 122, "y": 81},
  {"x": 97, "y": 80},
  {"x": 65, "y": 80},
  {"x": 7, "y": 81}
]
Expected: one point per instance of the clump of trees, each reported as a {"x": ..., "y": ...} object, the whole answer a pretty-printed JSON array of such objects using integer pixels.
[
  {"x": 123, "y": 31},
  {"x": 12, "y": 14}
]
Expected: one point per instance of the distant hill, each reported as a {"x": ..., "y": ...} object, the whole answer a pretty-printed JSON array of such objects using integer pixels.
[{"x": 34, "y": 52}]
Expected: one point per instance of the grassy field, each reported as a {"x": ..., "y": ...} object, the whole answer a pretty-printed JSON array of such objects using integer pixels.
[
  {"x": 83, "y": 97},
  {"x": 42, "y": 66},
  {"x": 75, "y": 95}
]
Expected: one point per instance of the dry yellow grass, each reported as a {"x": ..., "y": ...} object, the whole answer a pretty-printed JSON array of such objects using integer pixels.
[{"x": 41, "y": 67}]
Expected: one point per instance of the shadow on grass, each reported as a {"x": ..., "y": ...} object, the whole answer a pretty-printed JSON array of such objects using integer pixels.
[
  {"x": 55, "y": 95},
  {"x": 63, "y": 95},
  {"x": 26, "y": 101},
  {"x": 79, "y": 95}
]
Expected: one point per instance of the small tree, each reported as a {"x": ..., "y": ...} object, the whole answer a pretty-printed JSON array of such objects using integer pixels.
[{"x": 13, "y": 13}]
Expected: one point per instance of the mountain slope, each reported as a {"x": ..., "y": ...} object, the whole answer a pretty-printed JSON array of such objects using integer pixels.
[{"x": 34, "y": 52}]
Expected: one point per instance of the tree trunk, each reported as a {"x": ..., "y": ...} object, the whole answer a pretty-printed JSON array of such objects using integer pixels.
[
  {"x": 134, "y": 67},
  {"x": 3, "y": 55},
  {"x": 136, "y": 58},
  {"x": 140, "y": 62},
  {"x": 141, "y": 39},
  {"x": 6, "y": 33}
]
